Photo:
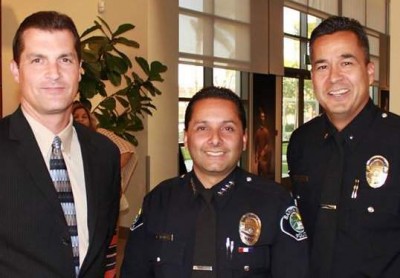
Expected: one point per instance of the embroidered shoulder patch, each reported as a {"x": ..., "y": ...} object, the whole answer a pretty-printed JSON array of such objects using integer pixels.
[
  {"x": 292, "y": 225},
  {"x": 137, "y": 222}
]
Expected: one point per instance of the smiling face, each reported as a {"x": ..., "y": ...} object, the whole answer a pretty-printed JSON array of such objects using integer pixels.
[
  {"x": 215, "y": 139},
  {"x": 48, "y": 73},
  {"x": 341, "y": 76}
]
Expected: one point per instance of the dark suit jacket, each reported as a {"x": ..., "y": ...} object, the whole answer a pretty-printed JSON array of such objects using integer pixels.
[{"x": 34, "y": 238}]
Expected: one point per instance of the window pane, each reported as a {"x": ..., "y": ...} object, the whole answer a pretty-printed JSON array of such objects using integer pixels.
[
  {"x": 227, "y": 78},
  {"x": 354, "y": 9},
  {"x": 233, "y": 9},
  {"x": 191, "y": 80},
  {"x": 291, "y": 55},
  {"x": 289, "y": 106},
  {"x": 373, "y": 45},
  {"x": 198, "y": 5},
  {"x": 231, "y": 41},
  {"x": 191, "y": 34},
  {"x": 290, "y": 89},
  {"x": 376, "y": 15},
  {"x": 328, "y": 6},
  {"x": 312, "y": 22},
  {"x": 311, "y": 106},
  {"x": 291, "y": 21},
  {"x": 181, "y": 119}
]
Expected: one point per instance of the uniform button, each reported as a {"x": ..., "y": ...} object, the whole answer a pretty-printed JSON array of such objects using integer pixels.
[
  {"x": 298, "y": 197},
  {"x": 371, "y": 209},
  {"x": 248, "y": 179},
  {"x": 351, "y": 137},
  {"x": 66, "y": 241},
  {"x": 158, "y": 259},
  {"x": 384, "y": 115},
  {"x": 246, "y": 268}
]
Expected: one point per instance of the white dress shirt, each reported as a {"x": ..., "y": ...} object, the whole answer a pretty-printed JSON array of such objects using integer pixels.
[{"x": 72, "y": 154}]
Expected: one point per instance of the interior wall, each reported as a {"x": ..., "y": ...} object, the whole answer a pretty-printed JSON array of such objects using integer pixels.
[
  {"x": 161, "y": 147},
  {"x": 163, "y": 139}
]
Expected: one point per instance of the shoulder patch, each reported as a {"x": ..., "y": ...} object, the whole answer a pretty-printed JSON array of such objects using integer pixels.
[
  {"x": 292, "y": 225},
  {"x": 137, "y": 222}
]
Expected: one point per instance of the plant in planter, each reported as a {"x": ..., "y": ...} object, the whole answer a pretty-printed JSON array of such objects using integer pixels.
[{"x": 121, "y": 111}]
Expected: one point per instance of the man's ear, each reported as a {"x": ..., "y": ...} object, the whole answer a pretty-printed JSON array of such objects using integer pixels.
[
  {"x": 245, "y": 139},
  {"x": 14, "y": 70}
]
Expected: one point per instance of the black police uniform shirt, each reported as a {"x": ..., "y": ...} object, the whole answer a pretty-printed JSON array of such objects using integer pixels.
[
  {"x": 368, "y": 224},
  {"x": 161, "y": 240}
]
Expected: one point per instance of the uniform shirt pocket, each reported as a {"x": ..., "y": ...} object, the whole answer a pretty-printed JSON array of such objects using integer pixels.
[{"x": 248, "y": 261}]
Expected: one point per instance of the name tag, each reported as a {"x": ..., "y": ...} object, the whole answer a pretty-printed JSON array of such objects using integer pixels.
[
  {"x": 202, "y": 267},
  {"x": 328, "y": 206}
]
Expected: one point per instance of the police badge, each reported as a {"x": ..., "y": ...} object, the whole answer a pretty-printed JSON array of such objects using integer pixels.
[
  {"x": 376, "y": 171},
  {"x": 249, "y": 228},
  {"x": 291, "y": 224}
]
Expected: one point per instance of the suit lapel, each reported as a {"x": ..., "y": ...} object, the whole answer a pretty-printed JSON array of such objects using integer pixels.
[
  {"x": 29, "y": 155},
  {"x": 88, "y": 155}
]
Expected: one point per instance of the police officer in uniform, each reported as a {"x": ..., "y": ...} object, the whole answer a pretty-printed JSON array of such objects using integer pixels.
[
  {"x": 254, "y": 228},
  {"x": 344, "y": 164}
]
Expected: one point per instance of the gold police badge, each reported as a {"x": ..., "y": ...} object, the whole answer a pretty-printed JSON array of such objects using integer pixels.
[
  {"x": 376, "y": 171},
  {"x": 249, "y": 228}
]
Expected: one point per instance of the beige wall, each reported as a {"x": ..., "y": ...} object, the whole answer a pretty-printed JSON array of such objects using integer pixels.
[
  {"x": 394, "y": 57},
  {"x": 157, "y": 144}
]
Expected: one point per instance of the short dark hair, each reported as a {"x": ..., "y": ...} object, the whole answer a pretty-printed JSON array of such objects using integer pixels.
[
  {"x": 216, "y": 93},
  {"x": 335, "y": 24},
  {"x": 47, "y": 21}
]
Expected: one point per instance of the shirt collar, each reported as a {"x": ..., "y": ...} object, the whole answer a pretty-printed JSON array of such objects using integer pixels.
[
  {"x": 217, "y": 188},
  {"x": 45, "y": 137},
  {"x": 357, "y": 128}
]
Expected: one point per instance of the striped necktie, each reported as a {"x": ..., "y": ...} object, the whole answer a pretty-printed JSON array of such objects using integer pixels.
[{"x": 59, "y": 175}]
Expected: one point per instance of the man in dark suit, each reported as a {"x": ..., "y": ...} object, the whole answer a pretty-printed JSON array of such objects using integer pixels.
[{"x": 35, "y": 239}]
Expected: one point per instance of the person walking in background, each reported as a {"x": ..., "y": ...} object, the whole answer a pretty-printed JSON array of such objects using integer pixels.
[
  {"x": 59, "y": 182},
  {"x": 345, "y": 164},
  {"x": 218, "y": 220}
]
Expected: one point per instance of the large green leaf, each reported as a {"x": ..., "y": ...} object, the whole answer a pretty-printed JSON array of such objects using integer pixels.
[
  {"x": 127, "y": 42},
  {"x": 144, "y": 65},
  {"x": 90, "y": 30},
  {"x": 123, "y": 28}
]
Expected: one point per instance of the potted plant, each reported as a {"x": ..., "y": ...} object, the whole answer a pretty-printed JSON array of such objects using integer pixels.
[{"x": 121, "y": 111}]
